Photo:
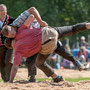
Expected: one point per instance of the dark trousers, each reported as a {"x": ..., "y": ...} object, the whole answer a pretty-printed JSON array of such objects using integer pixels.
[
  {"x": 5, "y": 62},
  {"x": 41, "y": 59},
  {"x": 70, "y": 30},
  {"x": 62, "y": 31},
  {"x": 31, "y": 65}
]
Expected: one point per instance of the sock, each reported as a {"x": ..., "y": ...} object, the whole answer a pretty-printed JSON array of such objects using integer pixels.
[
  {"x": 58, "y": 76},
  {"x": 55, "y": 76}
]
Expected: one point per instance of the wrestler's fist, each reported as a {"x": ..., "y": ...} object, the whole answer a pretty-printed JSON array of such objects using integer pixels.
[
  {"x": 43, "y": 24},
  {"x": 88, "y": 25}
]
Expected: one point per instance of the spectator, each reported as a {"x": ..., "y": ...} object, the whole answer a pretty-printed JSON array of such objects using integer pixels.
[
  {"x": 65, "y": 63},
  {"x": 52, "y": 60},
  {"x": 5, "y": 53},
  {"x": 82, "y": 55},
  {"x": 83, "y": 42}
]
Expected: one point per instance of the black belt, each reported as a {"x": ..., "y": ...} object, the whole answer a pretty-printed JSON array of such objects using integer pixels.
[{"x": 47, "y": 41}]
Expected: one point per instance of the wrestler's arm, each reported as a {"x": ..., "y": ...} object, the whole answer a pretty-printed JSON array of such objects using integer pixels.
[
  {"x": 34, "y": 11},
  {"x": 13, "y": 72},
  {"x": 29, "y": 20},
  {"x": 17, "y": 62}
]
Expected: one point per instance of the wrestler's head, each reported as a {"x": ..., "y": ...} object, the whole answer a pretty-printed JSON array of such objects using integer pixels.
[{"x": 9, "y": 31}]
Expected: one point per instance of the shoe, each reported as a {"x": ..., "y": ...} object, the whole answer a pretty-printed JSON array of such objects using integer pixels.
[
  {"x": 87, "y": 65},
  {"x": 58, "y": 79},
  {"x": 79, "y": 65},
  {"x": 32, "y": 80}
]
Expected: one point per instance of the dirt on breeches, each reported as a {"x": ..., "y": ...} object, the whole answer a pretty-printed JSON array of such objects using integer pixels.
[{"x": 21, "y": 82}]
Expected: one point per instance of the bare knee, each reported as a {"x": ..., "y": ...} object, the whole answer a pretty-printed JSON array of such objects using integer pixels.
[{"x": 30, "y": 10}]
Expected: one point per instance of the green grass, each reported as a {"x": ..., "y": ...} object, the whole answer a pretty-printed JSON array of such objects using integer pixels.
[
  {"x": 76, "y": 79},
  {"x": 43, "y": 79},
  {"x": 1, "y": 80},
  {"x": 66, "y": 79}
]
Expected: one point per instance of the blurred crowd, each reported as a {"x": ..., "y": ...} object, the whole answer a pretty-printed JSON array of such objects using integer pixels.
[{"x": 82, "y": 54}]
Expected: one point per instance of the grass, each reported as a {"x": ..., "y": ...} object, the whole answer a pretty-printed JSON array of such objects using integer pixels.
[
  {"x": 43, "y": 79},
  {"x": 1, "y": 80},
  {"x": 76, "y": 79},
  {"x": 66, "y": 79}
]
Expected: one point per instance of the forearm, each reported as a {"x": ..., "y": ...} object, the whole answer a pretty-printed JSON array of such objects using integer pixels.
[
  {"x": 13, "y": 73},
  {"x": 29, "y": 20},
  {"x": 34, "y": 11}
]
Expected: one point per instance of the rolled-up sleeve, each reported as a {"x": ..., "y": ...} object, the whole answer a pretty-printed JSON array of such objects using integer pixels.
[{"x": 21, "y": 19}]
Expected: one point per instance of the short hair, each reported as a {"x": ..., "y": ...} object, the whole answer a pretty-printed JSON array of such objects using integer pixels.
[
  {"x": 4, "y": 30},
  {"x": 82, "y": 38},
  {"x": 8, "y": 43},
  {"x": 3, "y": 7}
]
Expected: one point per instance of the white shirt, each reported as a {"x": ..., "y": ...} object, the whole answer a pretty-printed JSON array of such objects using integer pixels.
[{"x": 1, "y": 23}]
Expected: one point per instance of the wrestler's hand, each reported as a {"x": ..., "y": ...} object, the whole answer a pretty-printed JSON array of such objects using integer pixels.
[
  {"x": 43, "y": 24},
  {"x": 88, "y": 25}
]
